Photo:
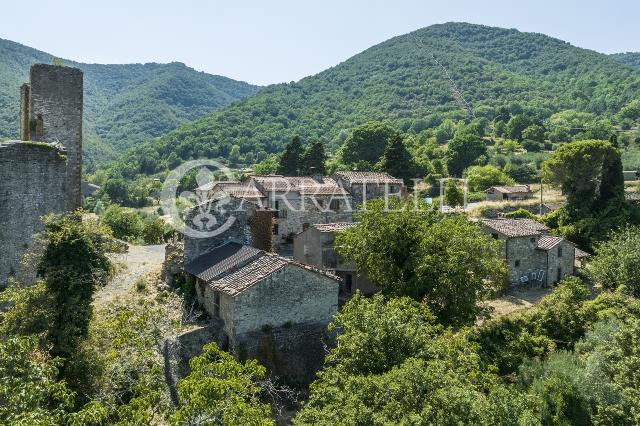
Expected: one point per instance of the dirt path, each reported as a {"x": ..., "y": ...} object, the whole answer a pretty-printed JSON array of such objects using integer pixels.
[{"x": 138, "y": 263}]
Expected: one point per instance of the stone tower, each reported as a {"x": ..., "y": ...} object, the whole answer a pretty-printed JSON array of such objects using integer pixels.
[
  {"x": 40, "y": 174},
  {"x": 51, "y": 111}
]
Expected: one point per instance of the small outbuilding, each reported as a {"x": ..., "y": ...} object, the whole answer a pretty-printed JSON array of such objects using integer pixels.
[{"x": 509, "y": 193}]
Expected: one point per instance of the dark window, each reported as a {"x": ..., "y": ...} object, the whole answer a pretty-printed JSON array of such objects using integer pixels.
[
  {"x": 559, "y": 274},
  {"x": 533, "y": 239},
  {"x": 348, "y": 283},
  {"x": 517, "y": 263},
  {"x": 305, "y": 226},
  {"x": 276, "y": 229},
  {"x": 216, "y": 304},
  {"x": 335, "y": 205},
  {"x": 276, "y": 205},
  {"x": 495, "y": 236},
  {"x": 559, "y": 251}
]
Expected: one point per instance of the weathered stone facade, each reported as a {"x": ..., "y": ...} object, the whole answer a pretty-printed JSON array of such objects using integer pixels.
[
  {"x": 55, "y": 104},
  {"x": 32, "y": 184},
  {"x": 533, "y": 257},
  {"x": 316, "y": 246},
  {"x": 42, "y": 174},
  {"x": 367, "y": 186}
]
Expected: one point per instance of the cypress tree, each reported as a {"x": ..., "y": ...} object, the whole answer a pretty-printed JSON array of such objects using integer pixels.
[
  {"x": 291, "y": 160},
  {"x": 396, "y": 160},
  {"x": 314, "y": 159}
]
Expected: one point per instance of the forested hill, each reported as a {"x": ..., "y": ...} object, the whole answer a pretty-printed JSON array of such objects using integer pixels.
[
  {"x": 401, "y": 81},
  {"x": 124, "y": 104},
  {"x": 629, "y": 58}
]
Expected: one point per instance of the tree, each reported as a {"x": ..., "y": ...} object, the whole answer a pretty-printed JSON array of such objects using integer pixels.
[
  {"x": 453, "y": 193},
  {"x": 125, "y": 223},
  {"x": 465, "y": 148},
  {"x": 480, "y": 178},
  {"x": 394, "y": 365},
  {"x": 73, "y": 264},
  {"x": 631, "y": 110},
  {"x": 534, "y": 132},
  {"x": 397, "y": 160},
  {"x": 367, "y": 143},
  {"x": 291, "y": 160},
  {"x": 267, "y": 166},
  {"x": 219, "y": 390},
  {"x": 314, "y": 159},
  {"x": 580, "y": 168},
  {"x": 417, "y": 252},
  {"x": 153, "y": 232},
  {"x": 117, "y": 189},
  {"x": 30, "y": 391},
  {"x": 516, "y": 126},
  {"x": 617, "y": 262}
]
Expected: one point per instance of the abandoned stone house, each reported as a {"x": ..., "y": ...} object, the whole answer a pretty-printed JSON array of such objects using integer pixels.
[
  {"x": 509, "y": 193},
  {"x": 41, "y": 173},
  {"x": 532, "y": 255},
  {"x": 316, "y": 246},
  {"x": 364, "y": 186},
  {"x": 252, "y": 294},
  {"x": 249, "y": 289}
]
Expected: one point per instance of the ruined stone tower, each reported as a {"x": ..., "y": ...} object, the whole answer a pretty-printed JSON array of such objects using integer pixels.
[
  {"x": 51, "y": 111},
  {"x": 40, "y": 174}
]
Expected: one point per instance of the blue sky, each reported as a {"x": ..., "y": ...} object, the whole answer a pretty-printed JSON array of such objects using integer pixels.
[{"x": 275, "y": 41}]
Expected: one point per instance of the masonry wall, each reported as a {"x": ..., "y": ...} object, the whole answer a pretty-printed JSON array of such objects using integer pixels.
[
  {"x": 32, "y": 184},
  {"x": 55, "y": 100},
  {"x": 236, "y": 212},
  {"x": 291, "y": 295},
  {"x": 566, "y": 262}
]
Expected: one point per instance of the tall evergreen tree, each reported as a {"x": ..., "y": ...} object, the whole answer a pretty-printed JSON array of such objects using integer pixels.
[
  {"x": 314, "y": 158},
  {"x": 291, "y": 160},
  {"x": 612, "y": 185},
  {"x": 397, "y": 160}
]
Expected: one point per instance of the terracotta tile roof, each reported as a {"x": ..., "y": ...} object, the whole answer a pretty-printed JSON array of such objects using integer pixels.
[
  {"x": 249, "y": 274},
  {"x": 547, "y": 242},
  {"x": 221, "y": 260},
  {"x": 333, "y": 227},
  {"x": 233, "y": 267},
  {"x": 516, "y": 227},
  {"x": 367, "y": 177},
  {"x": 511, "y": 189},
  {"x": 233, "y": 189},
  {"x": 303, "y": 184}
]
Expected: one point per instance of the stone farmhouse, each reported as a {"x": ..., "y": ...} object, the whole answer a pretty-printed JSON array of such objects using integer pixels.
[
  {"x": 249, "y": 289},
  {"x": 365, "y": 186},
  {"x": 41, "y": 173},
  {"x": 299, "y": 202},
  {"x": 316, "y": 246},
  {"x": 509, "y": 193},
  {"x": 533, "y": 256}
]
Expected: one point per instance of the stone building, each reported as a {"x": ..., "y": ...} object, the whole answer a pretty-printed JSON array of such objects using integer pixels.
[
  {"x": 509, "y": 193},
  {"x": 364, "y": 186},
  {"x": 533, "y": 256},
  {"x": 40, "y": 174},
  {"x": 316, "y": 246}
]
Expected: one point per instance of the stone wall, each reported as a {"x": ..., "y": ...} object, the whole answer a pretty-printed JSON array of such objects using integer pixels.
[
  {"x": 294, "y": 352},
  {"x": 232, "y": 210},
  {"x": 55, "y": 100},
  {"x": 32, "y": 184},
  {"x": 291, "y": 295}
]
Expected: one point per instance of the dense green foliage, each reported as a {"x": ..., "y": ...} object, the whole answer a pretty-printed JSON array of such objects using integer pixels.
[
  {"x": 415, "y": 251},
  {"x": 629, "y": 58},
  {"x": 481, "y": 178},
  {"x": 400, "y": 82},
  {"x": 124, "y": 104}
]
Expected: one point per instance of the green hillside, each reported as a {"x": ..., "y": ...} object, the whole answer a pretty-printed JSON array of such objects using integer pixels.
[
  {"x": 399, "y": 80},
  {"x": 629, "y": 58},
  {"x": 124, "y": 104}
]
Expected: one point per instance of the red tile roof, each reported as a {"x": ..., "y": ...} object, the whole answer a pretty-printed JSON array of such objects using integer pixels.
[
  {"x": 511, "y": 189},
  {"x": 333, "y": 227}
]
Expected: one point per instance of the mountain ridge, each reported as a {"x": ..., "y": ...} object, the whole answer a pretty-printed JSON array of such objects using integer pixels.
[
  {"x": 399, "y": 80},
  {"x": 125, "y": 104}
]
